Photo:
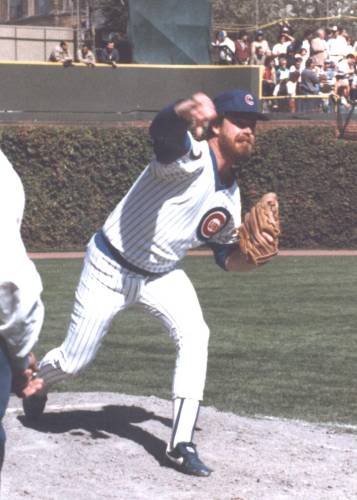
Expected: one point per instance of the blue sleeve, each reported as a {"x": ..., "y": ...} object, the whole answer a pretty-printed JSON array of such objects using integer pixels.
[
  {"x": 169, "y": 134},
  {"x": 221, "y": 252}
]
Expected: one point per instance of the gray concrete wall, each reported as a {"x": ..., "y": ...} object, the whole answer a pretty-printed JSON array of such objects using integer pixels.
[
  {"x": 50, "y": 92},
  {"x": 31, "y": 43}
]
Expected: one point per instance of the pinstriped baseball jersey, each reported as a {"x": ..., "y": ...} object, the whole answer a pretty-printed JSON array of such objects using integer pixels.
[{"x": 172, "y": 208}]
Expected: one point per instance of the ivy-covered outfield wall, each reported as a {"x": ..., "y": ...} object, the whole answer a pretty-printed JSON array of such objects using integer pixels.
[{"x": 74, "y": 177}]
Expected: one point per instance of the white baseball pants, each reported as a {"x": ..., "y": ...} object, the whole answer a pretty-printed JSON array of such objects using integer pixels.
[{"x": 105, "y": 289}]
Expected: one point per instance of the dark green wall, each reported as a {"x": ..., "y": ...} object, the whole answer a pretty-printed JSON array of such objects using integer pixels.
[{"x": 48, "y": 92}]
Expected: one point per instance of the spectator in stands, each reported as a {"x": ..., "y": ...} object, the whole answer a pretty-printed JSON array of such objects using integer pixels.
[
  {"x": 306, "y": 42},
  {"x": 328, "y": 36},
  {"x": 258, "y": 58},
  {"x": 110, "y": 55},
  {"x": 290, "y": 54},
  {"x": 350, "y": 45},
  {"x": 327, "y": 82},
  {"x": 319, "y": 49},
  {"x": 268, "y": 81},
  {"x": 242, "y": 48},
  {"x": 337, "y": 45},
  {"x": 61, "y": 53},
  {"x": 298, "y": 64},
  {"x": 86, "y": 56},
  {"x": 281, "y": 48},
  {"x": 328, "y": 75},
  {"x": 260, "y": 41},
  {"x": 285, "y": 27},
  {"x": 226, "y": 48},
  {"x": 348, "y": 66},
  {"x": 280, "y": 91},
  {"x": 293, "y": 89},
  {"x": 343, "y": 32},
  {"x": 269, "y": 76},
  {"x": 309, "y": 86},
  {"x": 304, "y": 56},
  {"x": 282, "y": 71},
  {"x": 341, "y": 90},
  {"x": 287, "y": 87}
]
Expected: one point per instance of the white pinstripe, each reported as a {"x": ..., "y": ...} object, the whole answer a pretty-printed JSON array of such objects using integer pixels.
[
  {"x": 153, "y": 226},
  {"x": 94, "y": 310},
  {"x": 156, "y": 222}
]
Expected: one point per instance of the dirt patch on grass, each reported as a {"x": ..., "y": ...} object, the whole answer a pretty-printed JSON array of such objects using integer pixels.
[{"x": 106, "y": 446}]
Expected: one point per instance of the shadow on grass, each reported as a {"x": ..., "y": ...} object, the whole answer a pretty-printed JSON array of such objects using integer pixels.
[{"x": 118, "y": 420}]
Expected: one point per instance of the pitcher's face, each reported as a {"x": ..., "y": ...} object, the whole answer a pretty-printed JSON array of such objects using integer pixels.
[{"x": 236, "y": 137}]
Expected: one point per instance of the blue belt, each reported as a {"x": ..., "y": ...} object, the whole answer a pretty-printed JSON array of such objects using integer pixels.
[{"x": 118, "y": 257}]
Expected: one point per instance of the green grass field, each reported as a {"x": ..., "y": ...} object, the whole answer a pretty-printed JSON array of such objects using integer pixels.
[{"x": 283, "y": 339}]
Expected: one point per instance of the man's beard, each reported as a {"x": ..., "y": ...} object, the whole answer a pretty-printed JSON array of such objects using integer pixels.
[{"x": 240, "y": 148}]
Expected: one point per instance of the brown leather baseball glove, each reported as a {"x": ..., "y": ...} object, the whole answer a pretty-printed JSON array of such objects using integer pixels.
[
  {"x": 258, "y": 234},
  {"x": 24, "y": 382}
]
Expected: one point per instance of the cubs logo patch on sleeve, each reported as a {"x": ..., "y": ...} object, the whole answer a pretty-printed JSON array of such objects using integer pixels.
[{"x": 212, "y": 223}]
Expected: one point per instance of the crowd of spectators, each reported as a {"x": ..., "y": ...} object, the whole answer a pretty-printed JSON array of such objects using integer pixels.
[
  {"x": 321, "y": 66},
  {"x": 113, "y": 53}
]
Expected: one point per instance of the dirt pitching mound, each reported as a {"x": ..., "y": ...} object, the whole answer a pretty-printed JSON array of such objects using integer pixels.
[{"x": 107, "y": 446}]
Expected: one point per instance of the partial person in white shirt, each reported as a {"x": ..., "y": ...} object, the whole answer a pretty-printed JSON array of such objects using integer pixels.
[
  {"x": 337, "y": 45},
  {"x": 86, "y": 56},
  {"x": 260, "y": 41},
  {"x": 281, "y": 48},
  {"x": 21, "y": 307},
  {"x": 226, "y": 48}
]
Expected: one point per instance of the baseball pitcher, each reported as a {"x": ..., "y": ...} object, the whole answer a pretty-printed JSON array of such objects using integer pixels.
[{"x": 185, "y": 197}]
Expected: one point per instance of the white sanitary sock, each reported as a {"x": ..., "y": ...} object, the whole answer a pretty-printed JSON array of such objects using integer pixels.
[{"x": 185, "y": 418}]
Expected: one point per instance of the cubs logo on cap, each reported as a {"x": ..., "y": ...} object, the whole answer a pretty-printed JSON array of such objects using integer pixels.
[
  {"x": 249, "y": 99},
  {"x": 238, "y": 101}
]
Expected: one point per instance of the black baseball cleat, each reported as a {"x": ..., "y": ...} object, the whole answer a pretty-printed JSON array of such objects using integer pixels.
[
  {"x": 186, "y": 460},
  {"x": 34, "y": 406}
]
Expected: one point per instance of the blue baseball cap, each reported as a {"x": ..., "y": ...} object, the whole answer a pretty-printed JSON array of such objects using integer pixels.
[{"x": 238, "y": 101}]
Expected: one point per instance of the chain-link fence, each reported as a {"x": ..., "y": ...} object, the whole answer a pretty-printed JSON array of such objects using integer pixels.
[{"x": 250, "y": 15}]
